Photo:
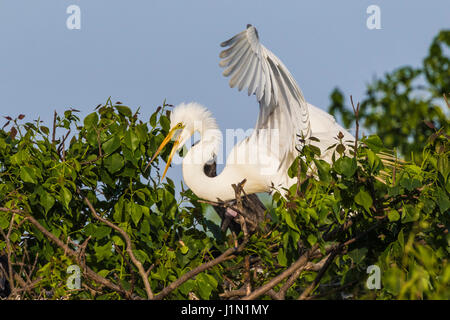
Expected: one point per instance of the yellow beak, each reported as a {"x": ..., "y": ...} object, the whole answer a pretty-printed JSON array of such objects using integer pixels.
[{"x": 163, "y": 144}]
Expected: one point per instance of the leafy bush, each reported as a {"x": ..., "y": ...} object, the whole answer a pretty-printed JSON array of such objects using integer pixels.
[
  {"x": 88, "y": 202},
  {"x": 397, "y": 104},
  {"x": 81, "y": 218}
]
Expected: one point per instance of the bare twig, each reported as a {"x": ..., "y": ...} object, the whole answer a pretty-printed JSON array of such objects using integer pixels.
[
  {"x": 226, "y": 255},
  {"x": 274, "y": 281},
  {"x": 91, "y": 161},
  {"x": 26, "y": 286},
  {"x": 356, "y": 111},
  {"x": 54, "y": 128},
  {"x": 281, "y": 294},
  {"x": 234, "y": 293},
  {"x": 61, "y": 148},
  {"x": 319, "y": 276}
]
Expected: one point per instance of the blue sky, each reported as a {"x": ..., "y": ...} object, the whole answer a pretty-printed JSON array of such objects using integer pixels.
[{"x": 142, "y": 52}]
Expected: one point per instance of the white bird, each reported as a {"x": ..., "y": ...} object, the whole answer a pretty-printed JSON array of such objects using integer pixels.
[{"x": 263, "y": 158}]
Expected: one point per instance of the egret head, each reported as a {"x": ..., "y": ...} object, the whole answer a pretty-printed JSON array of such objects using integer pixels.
[{"x": 185, "y": 119}]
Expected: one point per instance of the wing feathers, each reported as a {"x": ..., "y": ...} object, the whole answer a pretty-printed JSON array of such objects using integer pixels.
[
  {"x": 240, "y": 68},
  {"x": 255, "y": 80},
  {"x": 232, "y": 40},
  {"x": 282, "y": 106}
]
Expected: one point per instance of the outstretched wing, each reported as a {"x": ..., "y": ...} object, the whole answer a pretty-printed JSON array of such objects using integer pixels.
[{"x": 283, "y": 108}]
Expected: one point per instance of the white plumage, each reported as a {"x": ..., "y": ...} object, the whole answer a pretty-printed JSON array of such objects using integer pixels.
[{"x": 263, "y": 159}]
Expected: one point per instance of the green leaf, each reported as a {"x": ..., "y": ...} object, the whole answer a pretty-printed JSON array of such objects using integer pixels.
[
  {"x": 103, "y": 273},
  {"x": 281, "y": 257},
  {"x": 4, "y": 223},
  {"x": 323, "y": 169},
  {"x": 124, "y": 110},
  {"x": 358, "y": 255},
  {"x": 27, "y": 175},
  {"x": 306, "y": 215},
  {"x": 47, "y": 201},
  {"x": 111, "y": 145},
  {"x": 91, "y": 121},
  {"x": 165, "y": 123},
  {"x": 145, "y": 227},
  {"x": 141, "y": 256},
  {"x": 136, "y": 213},
  {"x": 312, "y": 213},
  {"x": 346, "y": 166},
  {"x": 140, "y": 194},
  {"x": 153, "y": 119},
  {"x": 443, "y": 167},
  {"x": 65, "y": 196},
  {"x": 114, "y": 163},
  {"x": 410, "y": 183},
  {"x": 289, "y": 221},
  {"x": 204, "y": 286},
  {"x": 103, "y": 252},
  {"x": 184, "y": 249},
  {"x": 131, "y": 140},
  {"x": 374, "y": 143},
  {"x": 364, "y": 199},
  {"x": 410, "y": 214},
  {"x": 393, "y": 215},
  {"x": 401, "y": 239},
  {"x": 312, "y": 239},
  {"x": 211, "y": 280},
  {"x": 443, "y": 201},
  {"x": 373, "y": 159},
  {"x": 394, "y": 191},
  {"x": 187, "y": 287},
  {"x": 118, "y": 241},
  {"x": 340, "y": 148},
  {"x": 101, "y": 232},
  {"x": 141, "y": 133},
  {"x": 44, "y": 130}
]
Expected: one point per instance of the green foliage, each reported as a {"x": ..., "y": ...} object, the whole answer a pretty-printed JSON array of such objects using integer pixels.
[
  {"x": 86, "y": 199},
  {"x": 104, "y": 162},
  {"x": 398, "y": 213},
  {"x": 405, "y": 105},
  {"x": 399, "y": 222}
]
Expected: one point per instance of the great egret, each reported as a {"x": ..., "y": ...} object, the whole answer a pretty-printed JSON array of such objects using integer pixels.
[{"x": 263, "y": 158}]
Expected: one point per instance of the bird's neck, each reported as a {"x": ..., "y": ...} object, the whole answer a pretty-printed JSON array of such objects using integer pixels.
[{"x": 209, "y": 188}]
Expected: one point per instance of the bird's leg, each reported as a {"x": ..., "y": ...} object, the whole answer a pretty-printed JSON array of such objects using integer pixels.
[
  {"x": 228, "y": 217},
  {"x": 240, "y": 208},
  {"x": 225, "y": 223}
]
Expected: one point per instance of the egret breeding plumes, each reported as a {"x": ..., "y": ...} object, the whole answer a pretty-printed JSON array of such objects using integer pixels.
[{"x": 263, "y": 158}]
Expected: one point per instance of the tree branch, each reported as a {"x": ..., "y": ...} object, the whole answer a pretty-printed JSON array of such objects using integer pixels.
[
  {"x": 319, "y": 276},
  {"x": 226, "y": 255},
  {"x": 54, "y": 128},
  {"x": 274, "y": 281},
  {"x": 129, "y": 247},
  {"x": 74, "y": 254},
  {"x": 281, "y": 294}
]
